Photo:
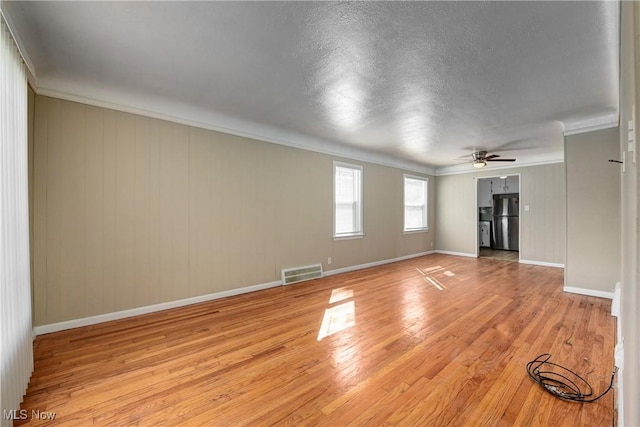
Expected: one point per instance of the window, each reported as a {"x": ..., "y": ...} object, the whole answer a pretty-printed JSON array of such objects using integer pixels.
[
  {"x": 347, "y": 200},
  {"x": 415, "y": 203}
]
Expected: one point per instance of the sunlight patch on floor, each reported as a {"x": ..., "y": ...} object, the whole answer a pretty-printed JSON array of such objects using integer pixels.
[
  {"x": 432, "y": 280},
  {"x": 337, "y": 318},
  {"x": 340, "y": 294},
  {"x": 435, "y": 282}
]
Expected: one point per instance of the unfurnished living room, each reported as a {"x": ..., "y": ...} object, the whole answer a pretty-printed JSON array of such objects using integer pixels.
[{"x": 319, "y": 213}]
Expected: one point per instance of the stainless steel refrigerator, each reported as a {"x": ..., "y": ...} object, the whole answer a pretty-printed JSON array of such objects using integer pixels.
[{"x": 506, "y": 222}]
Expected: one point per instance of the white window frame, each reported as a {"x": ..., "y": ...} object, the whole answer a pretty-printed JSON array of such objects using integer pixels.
[
  {"x": 359, "y": 231},
  {"x": 426, "y": 204}
]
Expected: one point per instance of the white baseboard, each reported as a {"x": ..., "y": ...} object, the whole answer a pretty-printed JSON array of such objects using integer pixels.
[
  {"x": 542, "y": 263},
  {"x": 620, "y": 397},
  {"x": 588, "y": 292},
  {"x": 468, "y": 255},
  {"x": 375, "y": 263},
  {"x": 92, "y": 320},
  {"x": 618, "y": 357},
  {"x": 615, "y": 304}
]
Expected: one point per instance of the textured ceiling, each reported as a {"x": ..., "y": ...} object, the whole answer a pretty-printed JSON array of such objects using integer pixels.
[{"x": 419, "y": 84}]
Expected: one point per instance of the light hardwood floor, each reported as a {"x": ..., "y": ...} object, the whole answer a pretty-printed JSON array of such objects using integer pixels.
[{"x": 436, "y": 340}]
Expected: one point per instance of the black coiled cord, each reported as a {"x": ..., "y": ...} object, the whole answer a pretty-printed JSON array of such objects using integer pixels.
[{"x": 563, "y": 383}]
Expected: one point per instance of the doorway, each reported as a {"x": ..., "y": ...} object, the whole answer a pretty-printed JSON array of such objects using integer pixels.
[{"x": 498, "y": 212}]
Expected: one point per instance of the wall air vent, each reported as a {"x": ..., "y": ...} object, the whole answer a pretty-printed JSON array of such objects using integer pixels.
[{"x": 300, "y": 274}]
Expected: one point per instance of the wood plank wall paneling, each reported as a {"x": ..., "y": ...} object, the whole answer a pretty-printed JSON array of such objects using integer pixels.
[
  {"x": 545, "y": 223},
  {"x": 593, "y": 210},
  {"x": 31, "y": 104},
  {"x": 543, "y": 227},
  {"x": 108, "y": 281},
  {"x": 131, "y": 211},
  {"x": 201, "y": 220},
  {"x": 456, "y": 225},
  {"x": 53, "y": 264},
  {"x": 124, "y": 210},
  {"x": 94, "y": 208},
  {"x": 38, "y": 231},
  {"x": 72, "y": 216}
]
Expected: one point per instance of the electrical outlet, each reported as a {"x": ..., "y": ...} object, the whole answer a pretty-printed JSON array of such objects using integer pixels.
[
  {"x": 329, "y": 261},
  {"x": 431, "y": 244}
]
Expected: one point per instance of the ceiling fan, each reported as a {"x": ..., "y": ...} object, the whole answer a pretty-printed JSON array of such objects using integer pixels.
[{"x": 480, "y": 159}]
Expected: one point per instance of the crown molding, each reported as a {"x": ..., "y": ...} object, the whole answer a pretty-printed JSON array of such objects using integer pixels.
[
  {"x": 200, "y": 118},
  {"x": 591, "y": 126},
  {"x": 468, "y": 168}
]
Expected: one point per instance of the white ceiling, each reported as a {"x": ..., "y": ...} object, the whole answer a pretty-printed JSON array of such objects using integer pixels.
[{"x": 413, "y": 84}]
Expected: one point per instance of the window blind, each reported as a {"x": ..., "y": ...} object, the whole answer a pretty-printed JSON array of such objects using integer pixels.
[
  {"x": 15, "y": 286},
  {"x": 415, "y": 204},
  {"x": 347, "y": 200}
]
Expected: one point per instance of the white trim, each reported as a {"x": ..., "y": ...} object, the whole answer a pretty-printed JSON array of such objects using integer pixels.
[
  {"x": 464, "y": 254},
  {"x": 590, "y": 127},
  {"x": 589, "y": 292},
  {"x": 375, "y": 263},
  {"x": 202, "y": 119},
  {"x": 86, "y": 321},
  {"x": 618, "y": 355},
  {"x": 476, "y": 217},
  {"x": 542, "y": 263},
  {"x": 615, "y": 305},
  {"x": 462, "y": 169},
  {"x": 420, "y": 230},
  {"x": 359, "y": 202},
  {"x": 348, "y": 236},
  {"x": 424, "y": 179},
  {"x": 618, "y": 359},
  {"x": 477, "y": 220}
]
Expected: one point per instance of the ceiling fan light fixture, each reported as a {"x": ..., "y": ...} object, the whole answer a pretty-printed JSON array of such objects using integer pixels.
[{"x": 479, "y": 164}]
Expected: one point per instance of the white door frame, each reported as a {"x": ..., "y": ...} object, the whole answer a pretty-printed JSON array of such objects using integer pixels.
[{"x": 477, "y": 221}]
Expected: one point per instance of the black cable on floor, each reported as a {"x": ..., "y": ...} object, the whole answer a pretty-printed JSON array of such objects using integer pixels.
[{"x": 561, "y": 382}]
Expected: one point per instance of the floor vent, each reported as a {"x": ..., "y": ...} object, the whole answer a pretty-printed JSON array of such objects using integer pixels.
[{"x": 300, "y": 274}]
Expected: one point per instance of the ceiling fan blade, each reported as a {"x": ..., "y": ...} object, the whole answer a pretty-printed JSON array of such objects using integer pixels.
[
  {"x": 493, "y": 156},
  {"x": 499, "y": 160}
]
